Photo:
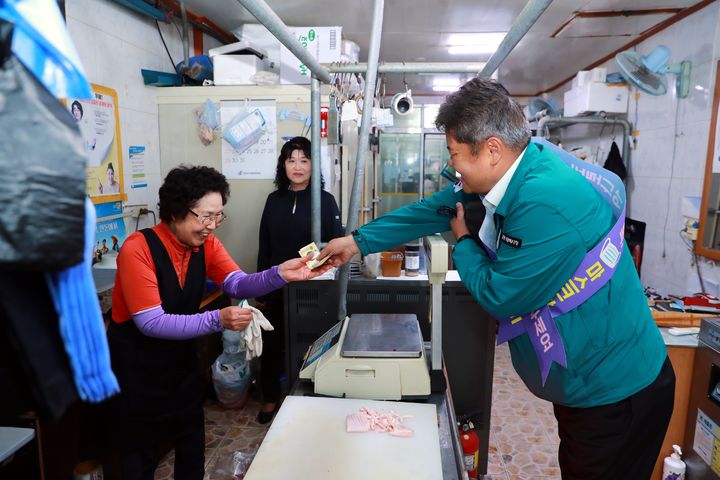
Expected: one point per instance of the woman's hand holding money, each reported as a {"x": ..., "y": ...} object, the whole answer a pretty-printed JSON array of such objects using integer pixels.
[{"x": 296, "y": 269}]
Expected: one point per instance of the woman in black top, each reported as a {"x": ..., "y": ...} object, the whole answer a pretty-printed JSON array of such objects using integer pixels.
[{"x": 285, "y": 229}]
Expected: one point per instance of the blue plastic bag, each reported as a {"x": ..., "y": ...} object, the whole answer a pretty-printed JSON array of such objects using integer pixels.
[
  {"x": 42, "y": 43},
  {"x": 231, "y": 372}
]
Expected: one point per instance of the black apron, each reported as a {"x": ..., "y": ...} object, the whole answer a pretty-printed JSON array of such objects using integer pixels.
[{"x": 160, "y": 380}]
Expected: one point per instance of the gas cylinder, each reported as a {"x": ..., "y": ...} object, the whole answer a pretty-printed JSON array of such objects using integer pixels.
[{"x": 471, "y": 448}]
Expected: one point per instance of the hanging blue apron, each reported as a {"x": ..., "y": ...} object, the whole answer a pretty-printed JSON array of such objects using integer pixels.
[{"x": 594, "y": 271}]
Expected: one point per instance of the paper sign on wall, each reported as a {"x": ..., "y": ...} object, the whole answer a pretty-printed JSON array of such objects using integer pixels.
[
  {"x": 98, "y": 120},
  {"x": 257, "y": 161}
]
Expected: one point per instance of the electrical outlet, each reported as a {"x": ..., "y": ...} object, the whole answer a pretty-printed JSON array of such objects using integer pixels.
[
  {"x": 691, "y": 227},
  {"x": 133, "y": 211}
]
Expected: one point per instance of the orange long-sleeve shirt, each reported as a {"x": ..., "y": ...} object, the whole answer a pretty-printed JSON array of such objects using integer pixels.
[{"x": 136, "y": 286}]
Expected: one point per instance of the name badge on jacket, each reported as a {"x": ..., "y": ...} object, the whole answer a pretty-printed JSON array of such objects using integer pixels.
[{"x": 512, "y": 241}]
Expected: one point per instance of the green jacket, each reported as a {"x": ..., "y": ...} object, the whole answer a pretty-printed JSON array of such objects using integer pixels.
[{"x": 614, "y": 349}]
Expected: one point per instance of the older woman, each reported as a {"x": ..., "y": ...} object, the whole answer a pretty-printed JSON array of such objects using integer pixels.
[
  {"x": 285, "y": 229},
  {"x": 158, "y": 288}
]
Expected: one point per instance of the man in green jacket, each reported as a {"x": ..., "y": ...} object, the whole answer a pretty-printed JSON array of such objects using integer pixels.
[{"x": 613, "y": 398}]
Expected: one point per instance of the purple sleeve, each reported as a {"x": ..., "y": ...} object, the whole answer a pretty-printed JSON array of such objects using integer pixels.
[
  {"x": 156, "y": 323},
  {"x": 243, "y": 285}
]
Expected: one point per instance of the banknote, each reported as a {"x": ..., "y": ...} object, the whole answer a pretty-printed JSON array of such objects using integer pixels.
[{"x": 315, "y": 251}]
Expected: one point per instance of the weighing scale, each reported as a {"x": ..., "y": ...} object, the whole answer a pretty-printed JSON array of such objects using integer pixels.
[
  {"x": 382, "y": 356},
  {"x": 370, "y": 355}
]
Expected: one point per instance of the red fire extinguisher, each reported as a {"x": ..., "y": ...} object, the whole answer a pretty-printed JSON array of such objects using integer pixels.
[
  {"x": 471, "y": 448},
  {"x": 323, "y": 122}
]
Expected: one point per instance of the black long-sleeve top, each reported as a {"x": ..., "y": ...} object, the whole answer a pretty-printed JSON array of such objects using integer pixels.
[{"x": 285, "y": 225}]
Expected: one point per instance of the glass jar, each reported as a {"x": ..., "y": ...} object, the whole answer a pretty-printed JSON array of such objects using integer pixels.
[{"x": 412, "y": 260}]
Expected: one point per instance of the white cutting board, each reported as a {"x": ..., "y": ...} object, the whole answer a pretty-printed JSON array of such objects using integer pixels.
[{"x": 307, "y": 441}]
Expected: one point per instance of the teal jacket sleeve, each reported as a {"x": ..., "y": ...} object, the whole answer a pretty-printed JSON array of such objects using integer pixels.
[
  {"x": 409, "y": 222},
  {"x": 524, "y": 278}
]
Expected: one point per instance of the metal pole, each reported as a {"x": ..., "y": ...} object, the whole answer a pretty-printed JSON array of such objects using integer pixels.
[
  {"x": 363, "y": 142},
  {"x": 265, "y": 15},
  {"x": 402, "y": 67},
  {"x": 315, "y": 187},
  {"x": 520, "y": 27},
  {"x": 186, "y": 36}
]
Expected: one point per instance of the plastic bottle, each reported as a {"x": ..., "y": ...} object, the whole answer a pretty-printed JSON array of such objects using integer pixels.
[{"x": 673, "y": 466}]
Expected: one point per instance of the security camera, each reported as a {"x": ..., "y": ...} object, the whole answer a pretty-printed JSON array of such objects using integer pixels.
[{"x": 402, "y": 103}]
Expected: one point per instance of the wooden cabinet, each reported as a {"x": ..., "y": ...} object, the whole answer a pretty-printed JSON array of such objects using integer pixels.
[
  {"x": 682, "y": 358},
  {"x": 683, "y": 362}
]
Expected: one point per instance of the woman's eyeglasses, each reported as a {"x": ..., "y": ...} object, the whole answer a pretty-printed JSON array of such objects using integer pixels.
[{"x": 206, "y": 220}]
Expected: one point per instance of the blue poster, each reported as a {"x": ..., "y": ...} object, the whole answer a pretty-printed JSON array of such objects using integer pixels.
[{"x": 110, "y": 233}]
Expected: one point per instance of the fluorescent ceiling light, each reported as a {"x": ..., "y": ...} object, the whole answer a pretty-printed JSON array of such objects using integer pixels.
[
  {"x": 470, "y": 49},
  {"x": 446, "y": 84},
  {"x": 445, "y": 88},
  {"x": 474, "y": 43},
  {"x": 446, "y": 81},
  {"x": 488, "y": 38}
]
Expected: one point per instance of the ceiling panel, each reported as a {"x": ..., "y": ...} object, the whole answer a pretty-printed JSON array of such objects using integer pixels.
[
  {"x": 611, "y": 26},
  {"x": 417, "y": 30}
]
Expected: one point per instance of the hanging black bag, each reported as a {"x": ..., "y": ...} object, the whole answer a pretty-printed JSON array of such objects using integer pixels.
[{"x": 42, "y": 172}]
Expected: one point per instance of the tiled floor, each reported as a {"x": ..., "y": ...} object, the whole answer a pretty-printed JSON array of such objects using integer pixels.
[
  {"x": 226, "y": 431},
  {"x": 523, "y": 437}
]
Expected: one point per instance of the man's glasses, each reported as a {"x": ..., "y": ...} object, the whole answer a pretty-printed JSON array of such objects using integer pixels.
[
  {"x": 449, "y": 173},
  {"x": 208, "y": 219}
]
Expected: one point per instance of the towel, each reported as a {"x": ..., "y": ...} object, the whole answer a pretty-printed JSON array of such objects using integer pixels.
[
  {"x": 252, "y": 335},
  {"x": 81, "y": 324}
]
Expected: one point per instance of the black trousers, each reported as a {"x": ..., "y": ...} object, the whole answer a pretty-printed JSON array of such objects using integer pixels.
[
  {"x": 273, "y": 356},
  {"x": 189, "y": 444},
  {"x": 617, "y": 441}
]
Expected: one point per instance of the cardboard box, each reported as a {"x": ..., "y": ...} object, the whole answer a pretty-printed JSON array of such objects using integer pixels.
[
  {"x": 584, "y": 77},
  {"x": 236, "y": 69},
  {"x": 323, "y": 43},
  {"x": 596, "y": 97}
]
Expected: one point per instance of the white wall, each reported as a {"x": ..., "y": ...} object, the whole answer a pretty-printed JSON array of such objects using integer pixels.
[
  {"x": 114, "y": 43},
  {"x": 658, "y": 183}
]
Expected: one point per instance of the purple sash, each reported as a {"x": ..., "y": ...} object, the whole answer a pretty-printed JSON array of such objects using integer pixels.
[{"x": 594, "y": 271}]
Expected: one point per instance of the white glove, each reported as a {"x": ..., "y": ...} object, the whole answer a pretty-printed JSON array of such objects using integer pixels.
[{"x": 252, "y": 335}]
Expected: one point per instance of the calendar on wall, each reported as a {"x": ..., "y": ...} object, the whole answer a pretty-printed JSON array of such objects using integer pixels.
[{"x": 249, "y": 144}]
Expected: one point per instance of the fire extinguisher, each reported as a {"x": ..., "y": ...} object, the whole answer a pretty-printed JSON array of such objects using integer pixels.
[
  {"x": 471, "y": 447},
  {"x": 323, "y": 122}
]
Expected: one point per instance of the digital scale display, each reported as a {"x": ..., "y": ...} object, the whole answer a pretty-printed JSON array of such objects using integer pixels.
[{"x": 322, "y": 345}]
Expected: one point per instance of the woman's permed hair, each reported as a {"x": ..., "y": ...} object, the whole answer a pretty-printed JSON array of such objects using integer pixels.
[
  {"x": 185, "y": 185},
  {"x": 481, "y": 109},
  {"x": 282, "y": 182}
]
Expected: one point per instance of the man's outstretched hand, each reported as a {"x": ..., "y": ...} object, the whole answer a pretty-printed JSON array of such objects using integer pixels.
[{"x": 341, "y": 249}]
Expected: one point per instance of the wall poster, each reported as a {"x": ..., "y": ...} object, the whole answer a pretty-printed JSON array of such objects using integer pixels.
[{"x": 99, "y": 122}]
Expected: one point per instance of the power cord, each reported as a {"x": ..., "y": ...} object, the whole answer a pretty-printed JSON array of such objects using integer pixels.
[
  {"x": 144, "y": 211},
  {"x": 670, "y": 182},
  {"x": 166, "y": 47},
  {"x": 691, "y": 244}
]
